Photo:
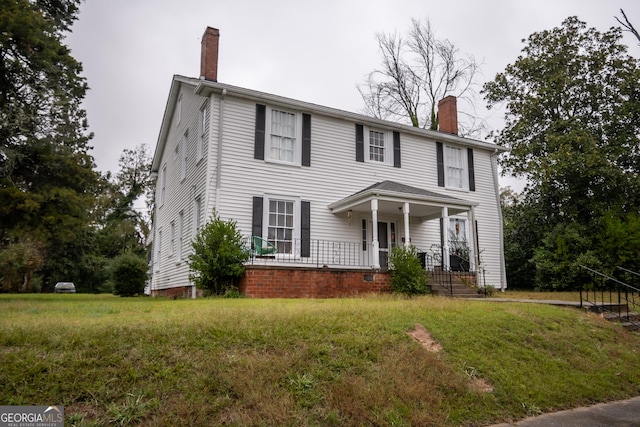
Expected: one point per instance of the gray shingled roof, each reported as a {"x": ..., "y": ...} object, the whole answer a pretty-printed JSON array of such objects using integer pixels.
[{"x": 405, "y": 189}]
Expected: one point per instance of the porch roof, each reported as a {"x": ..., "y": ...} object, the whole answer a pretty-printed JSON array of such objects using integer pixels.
[{"x": 392, "y": 195}]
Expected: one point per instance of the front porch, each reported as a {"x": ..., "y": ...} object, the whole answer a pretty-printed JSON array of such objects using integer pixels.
[
  {"x": 373, "y": 221},
  {"x": 343, "y": 269}
]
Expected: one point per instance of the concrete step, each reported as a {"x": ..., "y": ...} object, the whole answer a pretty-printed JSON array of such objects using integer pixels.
[
  {"x": 606, "y": 307},
  {"x": 631, "y": 326},
  {"x": 460, "y": 291},
  {"x": 631, "y": 317}
]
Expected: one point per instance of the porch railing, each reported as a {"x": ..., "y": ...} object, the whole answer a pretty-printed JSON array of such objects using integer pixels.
[
  {"x": 329, "y": 253},
  {"x": 320, "y": 253}
]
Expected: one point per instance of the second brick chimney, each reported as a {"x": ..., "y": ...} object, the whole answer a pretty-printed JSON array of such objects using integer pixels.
[
  {"x": 209, "y": 54},
  {"x": 448, "y": 115}
]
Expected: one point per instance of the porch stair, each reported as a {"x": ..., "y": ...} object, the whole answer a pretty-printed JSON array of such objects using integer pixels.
[
  {"x": 451, "y": 284},
  {"x": 630, "y": 321}
]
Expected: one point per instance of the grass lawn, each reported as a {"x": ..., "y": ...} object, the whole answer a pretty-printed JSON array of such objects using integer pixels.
[
  {"x": 246, "y": 362},
  {"x": 533, "y": 295}
]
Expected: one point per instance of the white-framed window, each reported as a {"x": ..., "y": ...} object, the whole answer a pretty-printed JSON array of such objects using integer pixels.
[
  {"x": 184, "y": 155},
  {"x": 284, "y": 135},
  {"x": 172, "y": 238},
  {"x": 378, "y": 146},
  {"x": 197, "y": 216},
  {"x": 455, "y": 166},
  {"x": 179, "y": 239},
  {"x": 179, "y": 110},
  {"x": 158, "y": 250},
  {"x": 282, "y": 220},
  {"x": 163, "y": 184},
  {"x": 202, "y": 132}
]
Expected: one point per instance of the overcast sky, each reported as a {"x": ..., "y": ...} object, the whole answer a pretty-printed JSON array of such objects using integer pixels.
[{"x": 311, "y": 51}]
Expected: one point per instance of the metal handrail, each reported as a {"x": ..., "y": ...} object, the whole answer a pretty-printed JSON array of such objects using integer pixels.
[
  {"x": 624, "y": 292},
  {"x": 629, "y": 271}
]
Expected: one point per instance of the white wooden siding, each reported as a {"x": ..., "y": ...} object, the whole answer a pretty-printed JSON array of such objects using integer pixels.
[
  {"x": 333, "y": 175},
  {"x": 180, "y": 193}
]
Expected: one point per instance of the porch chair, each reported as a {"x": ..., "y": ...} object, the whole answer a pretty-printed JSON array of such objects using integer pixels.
[{"x": 262, "y": 247}]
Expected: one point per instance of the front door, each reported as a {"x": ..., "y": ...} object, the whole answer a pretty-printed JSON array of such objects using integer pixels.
[
  {"x": 386, "y": 240},
  {"x": 383, "y": 239}
]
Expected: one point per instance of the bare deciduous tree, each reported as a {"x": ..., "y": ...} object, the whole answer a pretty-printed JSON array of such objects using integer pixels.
[
  {"x": 627, "y": 25},
  {"x": 416, "y": 72}
]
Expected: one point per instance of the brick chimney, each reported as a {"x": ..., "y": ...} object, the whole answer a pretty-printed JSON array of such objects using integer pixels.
[
  {"x": 209, "y": 54},
  {"x": 448, "y": 115}
]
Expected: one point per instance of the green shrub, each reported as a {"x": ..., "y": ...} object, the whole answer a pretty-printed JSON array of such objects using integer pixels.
[
  {"x": 128, "y": 274},
  {"x": 558, "y": 260},
  {"x": 217, "y": 261},
  {"x": 407, "y": 275}
]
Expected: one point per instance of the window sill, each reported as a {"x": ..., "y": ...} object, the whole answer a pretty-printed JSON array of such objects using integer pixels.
[
  {"x": 460, "y": 190},
  {"x": 375, "y": 162},
  {"x": 278, "y": 162}
]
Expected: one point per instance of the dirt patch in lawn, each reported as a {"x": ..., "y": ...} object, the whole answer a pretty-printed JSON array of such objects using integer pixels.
[
  {"x": 429, "y": 343},
  {"x": 420, "y": 334}
]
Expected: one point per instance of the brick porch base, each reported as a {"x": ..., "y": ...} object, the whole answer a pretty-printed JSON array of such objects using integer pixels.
[{"x": 281, "y": 282}]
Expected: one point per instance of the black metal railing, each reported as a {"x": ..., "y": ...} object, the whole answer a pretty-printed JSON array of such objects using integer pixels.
[
  {"x": 458, "y": 269},
  {"x": 336, "y": 254},
  {"x": 609, "y": 294},
  {"x": 317, "y": 253}
]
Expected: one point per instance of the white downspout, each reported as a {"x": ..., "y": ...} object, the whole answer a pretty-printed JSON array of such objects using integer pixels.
[{"x": 503, "y": 269}]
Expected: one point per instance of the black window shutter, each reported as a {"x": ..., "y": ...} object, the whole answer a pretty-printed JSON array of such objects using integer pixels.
[
  {"x": 256, "y": 228},
  {"x": 258, "y": 149},
  {"x": 396, "y": 149},
  {"x": 440, "y": 160},
  {"x": 305, "y": 229},
  {"x": 472, "y": 173},
  {"x": 359, "y": 143},
  {"x": 306, "y": 140}
]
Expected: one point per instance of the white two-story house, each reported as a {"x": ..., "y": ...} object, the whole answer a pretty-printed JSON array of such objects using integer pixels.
[{"x": 316, "y": 188}]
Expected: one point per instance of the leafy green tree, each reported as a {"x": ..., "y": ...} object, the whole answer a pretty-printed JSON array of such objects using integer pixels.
[
  {"x": 619, "y": 241},
  {"x": 572, "y": 125},
  {"x": 217, "y": 260},
  {"x": 564, "y": 249},
  {"x": 128, "y": 274},
  {"x": 407, "y": 274},
  {"x": 123, "y": 226},
  {"x": 18, "y": 263},
  {"x": 47, "y": 181},
  {"x": 523, "y": 230}
]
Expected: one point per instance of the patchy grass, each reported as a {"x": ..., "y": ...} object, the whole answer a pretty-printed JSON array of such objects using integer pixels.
[
  {"x": 534, "y": 295},
  {"x": 144, "y": 361}
]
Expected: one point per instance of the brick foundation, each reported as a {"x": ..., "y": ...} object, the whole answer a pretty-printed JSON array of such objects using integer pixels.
[
  {"x": 177, "y": 292},
  {"x": 281, "y": 282}
]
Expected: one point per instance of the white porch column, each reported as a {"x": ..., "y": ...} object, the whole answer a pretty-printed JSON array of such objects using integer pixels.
[
  {"x": 405, "y": 211},
  {"x": 472, "y": 239},
  {"x": 375, "y": 243},
  {"x": 445, "y": 238}
]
